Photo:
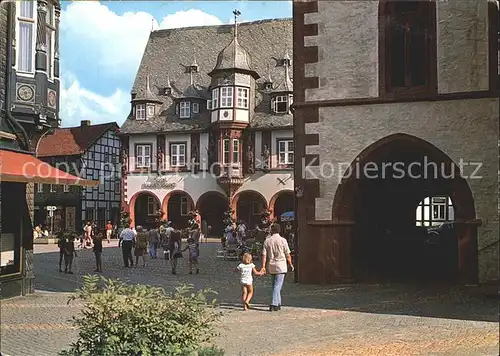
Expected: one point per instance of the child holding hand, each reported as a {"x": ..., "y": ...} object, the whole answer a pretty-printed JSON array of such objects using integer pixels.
[{"x": 246, "y": 269}]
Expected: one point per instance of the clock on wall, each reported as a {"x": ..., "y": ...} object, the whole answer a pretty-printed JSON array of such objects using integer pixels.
[
  {"x": 52, "y": 98},
  {"x": 25, "y": 92}
]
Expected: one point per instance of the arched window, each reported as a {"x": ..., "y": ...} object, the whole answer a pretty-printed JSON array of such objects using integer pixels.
[{"x": 407, "y": 47}]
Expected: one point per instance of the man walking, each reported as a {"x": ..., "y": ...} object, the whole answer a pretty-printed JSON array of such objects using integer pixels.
[
  {"x": 127, "y": 237},
  {"x": 277, "y": 254}
]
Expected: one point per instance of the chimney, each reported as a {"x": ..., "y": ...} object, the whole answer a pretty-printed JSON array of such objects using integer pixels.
[{"x": 85, "y": 123}]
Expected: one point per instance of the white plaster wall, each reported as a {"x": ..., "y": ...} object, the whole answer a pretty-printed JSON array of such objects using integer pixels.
[
  {"x": 194, "y": 185},
  {"x": 242, "y": 115},
  {"x": 465, "y": 130},
  {"x": 462, "y": 45},
  {"x": 274, "y": 149},
  {"x": 268, "y": 184},
  {"x": 348, "y": 48},
  {"x": 177, "y": 138},
  {"x": 141, "y": 139},
  {"x": 204, "y": 138},
  {"x": 229, "y": 116}
]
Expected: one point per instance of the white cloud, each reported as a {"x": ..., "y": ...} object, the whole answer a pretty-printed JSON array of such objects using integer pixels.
[
  {"x": 78, "y": 104},
  {"x": 189, "y": 18},
  {"x": 111, "y": 47}
]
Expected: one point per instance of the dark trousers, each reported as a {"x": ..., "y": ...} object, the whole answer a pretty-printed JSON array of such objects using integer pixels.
[
  {"x": 98, "y": 260},
  {"x": 127, "y": 253},
  {"x": 68, "y": 262},
  {"x": 61, "y": 257}
]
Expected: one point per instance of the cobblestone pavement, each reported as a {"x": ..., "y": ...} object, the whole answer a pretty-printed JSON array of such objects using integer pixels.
[{"x": 316, "y": 320}]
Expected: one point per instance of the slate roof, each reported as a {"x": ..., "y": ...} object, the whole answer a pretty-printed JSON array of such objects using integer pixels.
[
  {"x": 170, "y": 52},
  {"x": 72, "y": 140}
]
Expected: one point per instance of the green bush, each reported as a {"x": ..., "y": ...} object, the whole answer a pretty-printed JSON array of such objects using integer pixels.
[{"x": 140, "y": 320}]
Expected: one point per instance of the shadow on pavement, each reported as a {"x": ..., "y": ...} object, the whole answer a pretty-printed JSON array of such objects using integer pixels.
[{"x": 450, "y": 302}]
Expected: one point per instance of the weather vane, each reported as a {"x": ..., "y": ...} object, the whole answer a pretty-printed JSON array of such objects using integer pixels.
[{"x": 236, "y": 13}]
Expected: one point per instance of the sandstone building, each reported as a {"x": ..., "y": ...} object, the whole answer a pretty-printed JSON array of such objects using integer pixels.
[{"x": 396, "y": 85}]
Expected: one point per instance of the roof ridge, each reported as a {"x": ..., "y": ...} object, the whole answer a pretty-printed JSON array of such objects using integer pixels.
[{"x": 247, "y": 23}]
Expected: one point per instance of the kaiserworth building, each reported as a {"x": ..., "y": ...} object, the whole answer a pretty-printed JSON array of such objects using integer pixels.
[
  {"x": 210, "y": 126},
  {"x": 397, "y": 113}
]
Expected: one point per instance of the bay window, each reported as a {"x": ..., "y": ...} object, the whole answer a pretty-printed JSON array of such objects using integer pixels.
[
  {"x": 140, "y": 112},
  {"x": 142, "y": 156},
  {"x": 26, "y": 36},
  {"x": 242, "y": 98},
  {"x": 185, "y": 110},
  {"x": 215, "y": 98},
  {"x": 196, "y": 108},
  {"x": 236, "y": 151},
  {"x": 226, "y": 97},
  {"x": 209, "y": 104},
  {"x": 50, "y": 39},
  {"x": 285, "y": 152},
  {"x": 177, "y": 154}
]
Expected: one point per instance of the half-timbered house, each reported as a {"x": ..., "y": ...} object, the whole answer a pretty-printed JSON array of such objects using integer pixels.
[{"x": 88, "y": 151}]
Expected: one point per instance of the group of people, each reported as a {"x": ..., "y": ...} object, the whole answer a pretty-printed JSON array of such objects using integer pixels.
[
  {"x": 167, "y": 236},
  {"x": 276, "y": 255}
]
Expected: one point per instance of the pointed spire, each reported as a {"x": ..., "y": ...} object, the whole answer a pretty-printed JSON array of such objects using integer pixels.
[
  {"x": 152, "y": 24},
  {"x": 236, "y": 13},
  {"x": 168, "y": 82}
]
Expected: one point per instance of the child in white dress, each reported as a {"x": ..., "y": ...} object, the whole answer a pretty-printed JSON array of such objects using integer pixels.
[{"x": 246, "y": 270}]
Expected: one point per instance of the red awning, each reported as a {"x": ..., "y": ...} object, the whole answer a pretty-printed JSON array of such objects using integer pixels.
[{"x": 24, "y": 168}]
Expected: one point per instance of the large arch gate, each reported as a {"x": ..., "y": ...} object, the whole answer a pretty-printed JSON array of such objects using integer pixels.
[{"x": 375, "y": 230}]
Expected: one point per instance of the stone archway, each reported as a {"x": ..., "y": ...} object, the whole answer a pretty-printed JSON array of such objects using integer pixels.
[
  {"x": 176, "y": 207},
  {"x": 144, "y": 208},
  {"x": 282, "y": 202},
  {"x": 248, "y": 206},
  {"x": 374, "y": 214},
  {"x": 212, "y": 206}
]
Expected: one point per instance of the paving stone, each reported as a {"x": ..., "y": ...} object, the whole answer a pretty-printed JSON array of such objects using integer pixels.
[{"x": 315, "y": 320}]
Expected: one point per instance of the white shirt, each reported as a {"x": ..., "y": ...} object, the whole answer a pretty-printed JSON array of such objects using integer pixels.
[
  {"x": 276, "y": 249},
  {"x": 128, "y": 234},
  {"x": 246, "y": 273}
]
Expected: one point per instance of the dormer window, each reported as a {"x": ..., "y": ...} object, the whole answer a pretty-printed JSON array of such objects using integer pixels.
[
  {"x": 268, "y": 86},
  {"x": 242, "y": 98},
  {"x": 286, "y": 62},
  {"x": 140, "y": 112},
  {"x": 196, "y": 108},
  {"x": 279, "y": 104},
  {"x": 185, "y": 110},
  {"x": 226, "y": 97},
  {"x": 167, "y": 91}
]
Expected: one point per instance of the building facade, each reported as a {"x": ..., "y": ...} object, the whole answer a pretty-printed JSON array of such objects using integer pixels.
[
  {"x": 88, "y": 151},
  {"x": 210, "y": 126},
  {"x": 29, "y": 107},
  {"x": 396, "y": 110}
]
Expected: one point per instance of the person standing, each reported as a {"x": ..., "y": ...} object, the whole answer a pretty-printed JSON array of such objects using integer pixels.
[
  {"x": 109, "y": 231},
  {"x": 175, "y": 248},
  {"x": 60, "y": 244},
  {"x": 98, "y": 251},
  {"x": 276, "y": 253},
  {"x": 127, "y": 237},
  {"x": 141, "y": 245},
  {"x": 193, "y": 255},
  {"x": 88, "y": 235},
  {"x": 166, "y": 240},
  {"x": 154, "y": 239},
  {"x": 69, "y": 253}
]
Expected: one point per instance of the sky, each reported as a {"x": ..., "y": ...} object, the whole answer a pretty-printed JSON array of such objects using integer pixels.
[{"x": 102, "y": 42}]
